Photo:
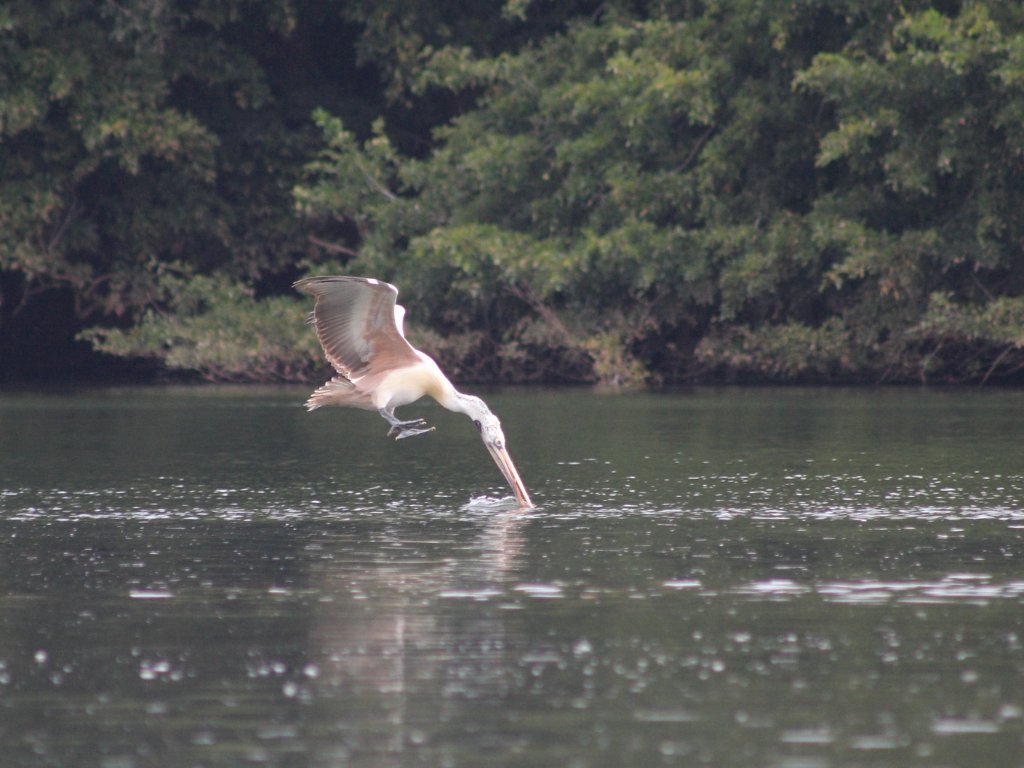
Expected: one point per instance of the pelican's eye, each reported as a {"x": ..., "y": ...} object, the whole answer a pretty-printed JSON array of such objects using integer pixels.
[{"x": 478, "y": 425}]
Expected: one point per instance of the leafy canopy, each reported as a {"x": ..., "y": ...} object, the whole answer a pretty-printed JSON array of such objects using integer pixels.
[{"x": 617, "y": 191}]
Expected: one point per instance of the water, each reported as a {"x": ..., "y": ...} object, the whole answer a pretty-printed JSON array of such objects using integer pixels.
[{"x": 800, "y": 578}]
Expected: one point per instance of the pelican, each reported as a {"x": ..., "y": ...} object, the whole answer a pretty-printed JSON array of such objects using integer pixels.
[{"x": 359, "y": 326}]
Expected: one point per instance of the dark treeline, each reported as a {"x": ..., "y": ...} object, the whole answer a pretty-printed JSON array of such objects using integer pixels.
[{"x": 618, "y": 191}]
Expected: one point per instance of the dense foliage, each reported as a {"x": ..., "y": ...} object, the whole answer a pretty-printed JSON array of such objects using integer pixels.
[
  {"x": 815, "y": 190},
  {"x": 139, "y": 139}
]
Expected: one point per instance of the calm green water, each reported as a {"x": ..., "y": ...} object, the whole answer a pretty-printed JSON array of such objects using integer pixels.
[{"x": 801, "y": 578}]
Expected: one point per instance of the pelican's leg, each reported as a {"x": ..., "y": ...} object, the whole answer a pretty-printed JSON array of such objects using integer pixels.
[{"x": 404, "y": 428}]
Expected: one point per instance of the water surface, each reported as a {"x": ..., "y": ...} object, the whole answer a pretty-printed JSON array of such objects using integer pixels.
[{"x": 214, "y": 577}]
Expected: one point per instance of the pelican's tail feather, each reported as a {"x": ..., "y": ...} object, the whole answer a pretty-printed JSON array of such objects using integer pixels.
[{"x": 337, "y": 391}]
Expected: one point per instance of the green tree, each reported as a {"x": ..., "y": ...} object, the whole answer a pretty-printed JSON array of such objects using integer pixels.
[
  {"x": 137, "y": 137},
  {"x": 614, "y": 191},
  {"x": 618, "y": 181},
  {"x": 924, "y": 223},
  {"x": 801, "y": 190}
]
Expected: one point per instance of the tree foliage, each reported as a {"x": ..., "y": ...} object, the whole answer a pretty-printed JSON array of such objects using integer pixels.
[
  {"x": 136, "y": 135},
  {"x": 113, "y": 160},
  {"x": 793, "y": 190},
  {"x": 812, "y": 190},
  {"x": 207, "y": 324}
]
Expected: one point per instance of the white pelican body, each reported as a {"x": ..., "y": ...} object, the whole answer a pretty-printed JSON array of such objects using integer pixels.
[{"x": 359, "y": 326}]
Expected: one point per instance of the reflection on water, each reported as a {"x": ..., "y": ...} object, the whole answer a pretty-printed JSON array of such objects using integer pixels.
[{"x": 214, "y": 577}]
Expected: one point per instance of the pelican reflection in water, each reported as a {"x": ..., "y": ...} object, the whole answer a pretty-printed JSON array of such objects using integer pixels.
[{"x": 359, "y": 326}]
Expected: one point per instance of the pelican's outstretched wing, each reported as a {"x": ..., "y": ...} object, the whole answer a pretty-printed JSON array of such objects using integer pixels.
[{"x": 357, "y": 323}]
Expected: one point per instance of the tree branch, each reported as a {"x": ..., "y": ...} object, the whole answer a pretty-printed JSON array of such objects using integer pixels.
[{"x": 333, "y": 247}]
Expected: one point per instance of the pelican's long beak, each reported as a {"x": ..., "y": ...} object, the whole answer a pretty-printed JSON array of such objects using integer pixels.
[{"x": 508, "y": 469}]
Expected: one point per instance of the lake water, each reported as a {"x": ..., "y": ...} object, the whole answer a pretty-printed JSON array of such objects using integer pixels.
[{"x": 756, "y": 577}]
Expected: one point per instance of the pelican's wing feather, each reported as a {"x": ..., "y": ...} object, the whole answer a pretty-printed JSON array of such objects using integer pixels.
[{"x": 355, "y": 321}]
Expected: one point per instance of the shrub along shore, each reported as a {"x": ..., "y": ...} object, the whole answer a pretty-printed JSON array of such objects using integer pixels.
[{"x": 616, "y": 192}]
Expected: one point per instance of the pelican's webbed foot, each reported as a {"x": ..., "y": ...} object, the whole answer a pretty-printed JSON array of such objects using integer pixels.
[
  {"x": 407, "y": 432},
  {"x": 404, "y": 428}
]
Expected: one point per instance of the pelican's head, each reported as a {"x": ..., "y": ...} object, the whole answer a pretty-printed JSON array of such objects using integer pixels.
[{"x": 494, "y": 441}]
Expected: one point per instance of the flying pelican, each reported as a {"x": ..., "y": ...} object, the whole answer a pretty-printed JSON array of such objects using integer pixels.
[{"x": 359, "y": 326}]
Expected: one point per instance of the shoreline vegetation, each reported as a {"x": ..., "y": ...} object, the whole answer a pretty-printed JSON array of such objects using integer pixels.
[{"x": 613, "y": 193}]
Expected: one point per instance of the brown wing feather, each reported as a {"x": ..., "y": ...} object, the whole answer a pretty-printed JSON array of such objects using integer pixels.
[{"x": 354, "y": 319}]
